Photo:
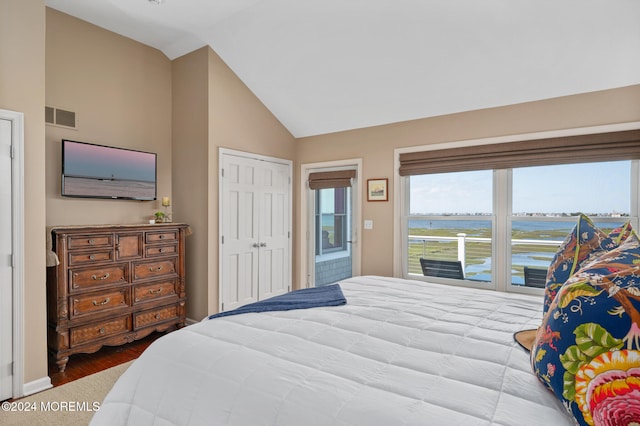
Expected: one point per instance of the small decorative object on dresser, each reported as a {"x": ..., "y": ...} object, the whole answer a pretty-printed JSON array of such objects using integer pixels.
[{"x": 113, "y": 285}]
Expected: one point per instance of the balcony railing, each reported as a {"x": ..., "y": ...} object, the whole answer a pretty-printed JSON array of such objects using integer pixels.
[{"x": 475, "y": 254}]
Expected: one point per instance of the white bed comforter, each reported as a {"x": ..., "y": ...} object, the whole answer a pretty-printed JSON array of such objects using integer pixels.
[{"x": 400, "y": 352}]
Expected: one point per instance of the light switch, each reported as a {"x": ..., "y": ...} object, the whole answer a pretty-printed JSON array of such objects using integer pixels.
[{"x": 368, "y": 224}]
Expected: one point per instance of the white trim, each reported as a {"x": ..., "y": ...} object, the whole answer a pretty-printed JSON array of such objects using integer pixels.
[
  {"x": 398, "y": 198},
  {"x": 356, "y": 211},
  {"x": 36, "y": 386},
  {"x": 17, "y": 201}
]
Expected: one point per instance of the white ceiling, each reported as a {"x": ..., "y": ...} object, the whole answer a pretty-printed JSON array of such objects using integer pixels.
[{"x": 324, "y": 66}]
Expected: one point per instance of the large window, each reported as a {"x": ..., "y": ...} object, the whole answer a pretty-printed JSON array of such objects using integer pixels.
[{"x": 498, "y": 223}]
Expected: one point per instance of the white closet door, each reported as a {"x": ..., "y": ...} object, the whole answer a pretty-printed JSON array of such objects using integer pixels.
[
  {"x": 240, "y": 227},
  {"x": 255, "y": 247},
  {"x": 275, "y": 235},
  {"x": 6, "y": 272}
]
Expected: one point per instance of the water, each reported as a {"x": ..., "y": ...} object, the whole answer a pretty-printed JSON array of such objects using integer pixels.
[{"x": 517, "y": 225}]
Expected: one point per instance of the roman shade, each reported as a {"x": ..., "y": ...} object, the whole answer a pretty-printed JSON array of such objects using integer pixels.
[
  {"x": 334, "y": 179},
  {"x": 612, "y": 146}
]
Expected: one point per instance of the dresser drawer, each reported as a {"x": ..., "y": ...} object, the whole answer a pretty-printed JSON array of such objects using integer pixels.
[
  {"x": 89, "y": 333},
  {"x": 158, "y": 290},
  {"x": 82, "y": 279},
  {"x": 104, "y": 255},
  {"x": 161, "y": 236},
  {"x": 103, "y": 301},
  {"x": 163, "y": 250},
  {"x": 154, "y": 316},
  {"x": 88, "y": 241},
  {"x": 155, "y": 269}
]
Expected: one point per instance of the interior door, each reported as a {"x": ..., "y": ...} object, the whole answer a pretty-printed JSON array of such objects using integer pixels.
[
  {"x": 275, "y": 224},
  {"x": 6, "y": 270},
  {"x": 239, "y": 235},
  {"x": 255, "y": 234}
]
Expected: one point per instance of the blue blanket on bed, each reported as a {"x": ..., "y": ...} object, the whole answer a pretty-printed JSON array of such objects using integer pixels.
[{"x": 330, "y": 295}]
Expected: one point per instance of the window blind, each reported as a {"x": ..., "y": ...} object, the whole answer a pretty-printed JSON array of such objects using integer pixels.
[
  {"x": 612, "y": 146},
  {"x": 334, "y": 179}
]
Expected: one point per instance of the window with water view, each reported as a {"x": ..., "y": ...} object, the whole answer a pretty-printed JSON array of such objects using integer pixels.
[{"x": 523, "y": 212}]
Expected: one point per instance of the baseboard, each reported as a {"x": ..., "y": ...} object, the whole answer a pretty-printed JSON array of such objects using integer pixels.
[
  {"x": 189, "y": 321},
  {"x": 37, "y": 386}
]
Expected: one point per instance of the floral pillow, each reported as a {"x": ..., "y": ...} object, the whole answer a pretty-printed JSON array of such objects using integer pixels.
[
  {"x": 620, "y": 234},
  {"x": 583, "y": 241},
  {"x": 587, "y": 350}
]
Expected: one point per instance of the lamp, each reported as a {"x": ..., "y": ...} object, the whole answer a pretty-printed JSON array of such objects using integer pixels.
[{"x": 166, "y": 202}]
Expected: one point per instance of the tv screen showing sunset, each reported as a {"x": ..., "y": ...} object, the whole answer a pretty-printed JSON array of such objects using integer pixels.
[{"x": 105, "y": 172}]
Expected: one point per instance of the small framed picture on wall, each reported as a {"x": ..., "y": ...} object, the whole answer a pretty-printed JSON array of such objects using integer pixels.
[{"x": 377, "y": 189}]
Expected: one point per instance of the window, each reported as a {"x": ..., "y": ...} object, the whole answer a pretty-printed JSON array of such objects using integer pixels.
[
  {"x": 547, "y": 199},
  {"x": 523, "y": 212},
  {"x": 451, "y": 218},
  {"x": 332, "y": 223}
]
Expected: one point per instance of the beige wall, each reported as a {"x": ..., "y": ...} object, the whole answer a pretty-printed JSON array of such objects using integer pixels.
[
  {"x": 376, "y": 146},
  {"x": 191, "y": 182},
  {"x": 121, "y": 93},
  {"x": 212, "y": 109},
  {"x": 22, "y": 89}
]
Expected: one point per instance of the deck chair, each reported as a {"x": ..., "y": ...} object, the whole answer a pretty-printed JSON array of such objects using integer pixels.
[
  {"x": 442, "y": 268},
  {"x": 535, "y": 277}
]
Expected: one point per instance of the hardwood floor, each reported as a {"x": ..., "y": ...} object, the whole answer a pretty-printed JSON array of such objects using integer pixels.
[{"x": 81, "y": 365}]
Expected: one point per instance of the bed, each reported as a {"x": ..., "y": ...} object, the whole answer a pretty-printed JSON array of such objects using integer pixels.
[{"x": 399, "y": 352}]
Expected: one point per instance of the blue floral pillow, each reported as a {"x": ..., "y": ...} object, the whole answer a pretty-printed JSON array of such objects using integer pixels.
[
  {"x": 587, "y": 350},
  {"x": 582, "y": 242}
]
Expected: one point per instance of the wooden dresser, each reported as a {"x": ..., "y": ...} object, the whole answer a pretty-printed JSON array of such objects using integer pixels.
[{"x": 113, "y": 285}]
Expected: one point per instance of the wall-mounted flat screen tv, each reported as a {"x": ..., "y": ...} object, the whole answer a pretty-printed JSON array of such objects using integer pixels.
[{"x": 97, "y": 171}]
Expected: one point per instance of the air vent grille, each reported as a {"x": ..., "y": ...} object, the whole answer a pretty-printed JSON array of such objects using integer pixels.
[
  {"x": 59, "y": 117},
  {"x": 49, "y": 113}
]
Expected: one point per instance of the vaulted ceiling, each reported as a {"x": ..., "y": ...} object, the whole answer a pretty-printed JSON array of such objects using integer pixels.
[{"x": 323, "y": 66}]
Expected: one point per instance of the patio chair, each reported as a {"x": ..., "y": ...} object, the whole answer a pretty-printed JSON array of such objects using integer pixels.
[
  {"x": 442, "y": 268},
  {"x": 535, "y": 277}
]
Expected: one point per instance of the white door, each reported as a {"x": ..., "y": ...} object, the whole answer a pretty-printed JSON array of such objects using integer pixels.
[
  {"x": 6, "y": 271},
  {"x": 275, "y": 230},
  {"x": 255, "y": 229}
]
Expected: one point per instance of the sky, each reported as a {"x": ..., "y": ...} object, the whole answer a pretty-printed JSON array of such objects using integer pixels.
[
  {"x": 82, "y": 159},
  {"x": 588, "y": 188}
]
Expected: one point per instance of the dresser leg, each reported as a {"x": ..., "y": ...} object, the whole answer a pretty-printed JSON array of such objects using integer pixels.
[{"x": 62, "y": 363}]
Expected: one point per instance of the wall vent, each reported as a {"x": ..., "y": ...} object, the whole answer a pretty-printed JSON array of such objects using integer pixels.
[{"x": 59, "y": 117}]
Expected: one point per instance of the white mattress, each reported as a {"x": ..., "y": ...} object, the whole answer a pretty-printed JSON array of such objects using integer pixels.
[{"x": 400, "y": 352}]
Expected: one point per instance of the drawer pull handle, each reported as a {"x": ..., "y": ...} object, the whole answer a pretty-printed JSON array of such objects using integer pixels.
[
  {"x": 92, "y": 241},
  {"x": 161, "y": 250},
  {"x": 151, "y": 291},
  {"x": 92, "y": 257},
  {"x": 157, "y": 316},
  {"x": 102, "y": 330},
  {"x": 97, "y": 278},
  {"x": 161, "y": 237},
  {"x": 152, "y": 269},
  {"x": 104, "y": 302}
]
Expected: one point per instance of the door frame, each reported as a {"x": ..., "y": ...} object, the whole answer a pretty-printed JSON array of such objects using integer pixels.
[
  {"x": 222, "y": 152},
  {"x": 306, "y": 238},
  {"x": 17, "y": 214}
]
